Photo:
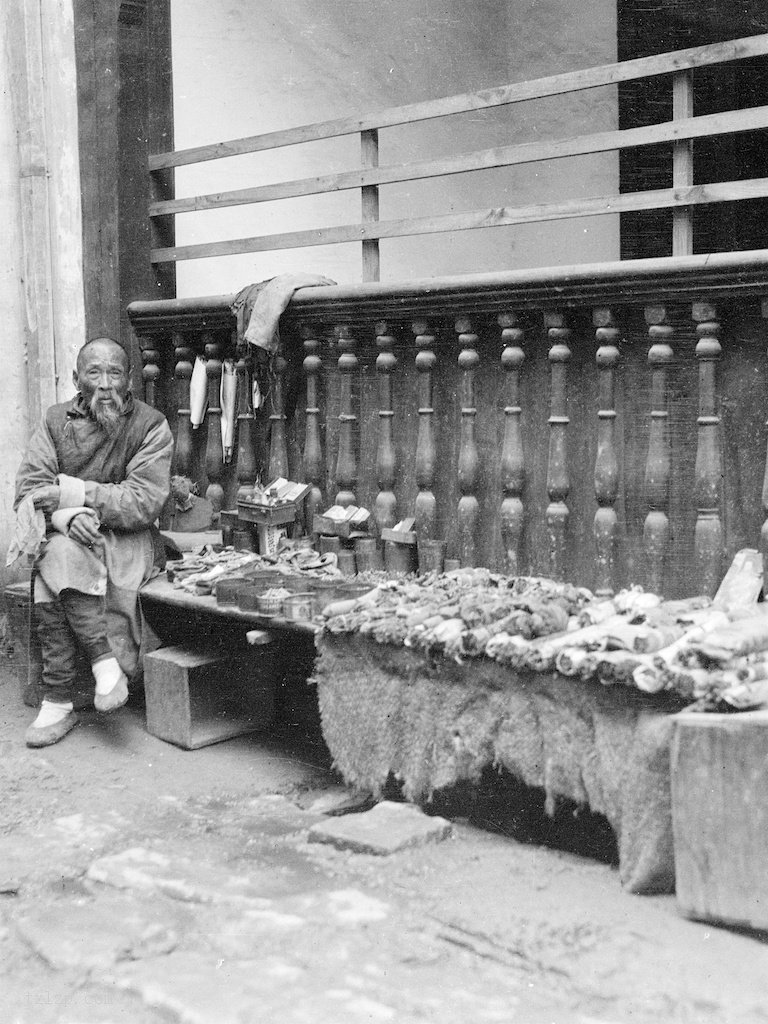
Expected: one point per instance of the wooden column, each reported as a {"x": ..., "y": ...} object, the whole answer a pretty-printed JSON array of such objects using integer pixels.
[
  {"x": 512, "y": 452},
  {"x": 150, "y": 374},
  {"x": 246, "y": 467},
  {"x": 425, "y": 508},
  {"x": 346, "y": 462},
  {"x": 183, "y": 374},
  {"x": 278, "y": 448},
  {"x": 313, "y": 451},
  {"x": 558, "y": 480},
  {"x": 658, "y": 463},
  {"x": 606, "y": 463},
  {"x": 214, "y": 461},
  {"x": 469, "y": 464},
  {"x": 385, "y": 507},
  {"x": 708, "y": 538},
  {"x": 764, "y": 530}
]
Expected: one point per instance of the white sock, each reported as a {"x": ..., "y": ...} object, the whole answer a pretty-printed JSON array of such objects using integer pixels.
[
  {"x": 107, "y": 674},
  {"x": 51, "y": 713}
]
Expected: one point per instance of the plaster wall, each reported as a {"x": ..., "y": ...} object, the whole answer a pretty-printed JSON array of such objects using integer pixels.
[
  {"x": 41, "y": 284},
  {"x": 245, "y": 68}
]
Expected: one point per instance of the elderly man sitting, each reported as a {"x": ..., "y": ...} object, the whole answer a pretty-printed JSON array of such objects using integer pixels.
[{"x": 99, "y": 468}]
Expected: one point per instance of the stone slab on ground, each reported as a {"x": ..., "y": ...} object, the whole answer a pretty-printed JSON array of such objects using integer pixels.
[
  {"x": 385, "y": 829},
  {"x": 87, "y": 933},
  {"x": 337, "y": 800}
]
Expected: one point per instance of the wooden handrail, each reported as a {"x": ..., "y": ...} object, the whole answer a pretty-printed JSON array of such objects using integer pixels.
[
  {"x": 708, "y": 126},
  {"x": 572, "y": 81},
  {"x": 688, "y": 278},
  {"x": 716, "y": 192}
]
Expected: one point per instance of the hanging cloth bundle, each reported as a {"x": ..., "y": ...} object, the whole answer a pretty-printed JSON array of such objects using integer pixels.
[
  {"x": 228, "y": 399},
  {"x": 198, "y": 393}
]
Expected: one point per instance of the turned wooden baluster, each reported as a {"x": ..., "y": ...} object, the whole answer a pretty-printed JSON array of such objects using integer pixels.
[
  {"x": 469, "y": 463},
  {"x": 150, "y": 374},
  {"x": 346, "y": 462},
  {"x": 313, "y": 451},
  {"x": 247, "y": 467},
  {"x": 214, "y": 460},
  {"x": 386, "y": 459},
  {"x": 183, "y": 374},
  {"x": 708, "y": 537},
  {"x": 658, "y": 465},
  {"x": 425, "y": 509},
  {"x": 764, "y": 530},
  {"x": 512, "y": 452},
  {"x": 605, "y": 525},
  {"x": 278, "y": 448},
  {"x": 558, "y": 481}
]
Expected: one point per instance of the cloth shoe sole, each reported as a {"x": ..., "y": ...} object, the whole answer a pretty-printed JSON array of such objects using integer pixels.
[
  {"x": 44, "y": 736},
  {"x": 113, "y": 700}
]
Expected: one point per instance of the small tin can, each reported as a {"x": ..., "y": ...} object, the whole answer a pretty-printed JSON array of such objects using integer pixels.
[{"x": 299, "y": 606}]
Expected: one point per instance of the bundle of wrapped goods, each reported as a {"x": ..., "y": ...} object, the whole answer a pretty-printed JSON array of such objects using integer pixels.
[{"x": 636, "y": 639}]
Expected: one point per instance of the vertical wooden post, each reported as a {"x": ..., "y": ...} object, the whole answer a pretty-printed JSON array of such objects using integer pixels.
[
  {"x": 346, "y": 462},
  {"x": 764, "y": 529},
  {"x": 658, "y": 465},
  {"x": 369, "y": 198},
  {"x": 278, "y": 448},
  {"x": 512, "y": 452},
  {"x": 384, "y": 511},
  {"x": 558, "y": 480},
  {"x": 708, "y": 538},
  {"x": 183, "y": 374},
  {"x": 682, "y": 163},
  {"x": 313, "y": 451},
  {"x": 247, "y": 467},
  {"x": 606, "y": 462},
  {"x": 214, "y": 460},
  {"x": 469, "y": 463},
  {"x": 150, "y": 374},
  {"x": 425, "y": 508}
]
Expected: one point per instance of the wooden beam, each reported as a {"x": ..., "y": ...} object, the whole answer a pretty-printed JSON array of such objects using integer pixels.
[
  {"x": 730, "y": 122},
  {"x": 555, "y": 85},
  {"x": 718, "y": 192},
  {"x": 682, "y": 163}
]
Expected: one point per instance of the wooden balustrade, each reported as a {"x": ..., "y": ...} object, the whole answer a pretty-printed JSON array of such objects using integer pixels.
[
  {"x": 586, "y": 455},
  {"x": 606, "y": 461},
  {"x": 425, "y": 508},
  {"x": 558, "y": 477},
  {"x": 512, "y": 453},
  {"x": 385, "y": 508}
]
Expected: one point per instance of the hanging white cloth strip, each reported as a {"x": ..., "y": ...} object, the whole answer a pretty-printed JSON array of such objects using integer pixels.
[
  {"x": 228, "y": 408},
  {"x": 198, "y": 393}
]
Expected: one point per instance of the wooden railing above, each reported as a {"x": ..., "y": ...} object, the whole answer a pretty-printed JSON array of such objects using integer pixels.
[
  {"x": 604, "y": 424},
  {"x": 369, "y": 176}
]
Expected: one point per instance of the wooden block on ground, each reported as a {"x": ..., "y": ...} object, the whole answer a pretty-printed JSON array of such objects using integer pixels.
[
  {"x": 195, "y": 698},
  {"x": 720, "y": 816}
]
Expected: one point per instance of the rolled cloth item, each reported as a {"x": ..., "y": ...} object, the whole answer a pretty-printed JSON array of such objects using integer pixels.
[
  {"x": 742, "y": 637},
  {"x": 198, "y": 393},
  {"x": 228, "y": 398},
  {"x": 28, "y": 532}
]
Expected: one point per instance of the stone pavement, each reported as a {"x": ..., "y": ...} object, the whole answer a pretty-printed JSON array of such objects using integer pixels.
[{"x": 141, "y": 884}]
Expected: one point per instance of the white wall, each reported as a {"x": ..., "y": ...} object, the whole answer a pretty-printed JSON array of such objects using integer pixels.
[
  {"x": 244, "y": 68},
  {"x": 41, "y": 277}
]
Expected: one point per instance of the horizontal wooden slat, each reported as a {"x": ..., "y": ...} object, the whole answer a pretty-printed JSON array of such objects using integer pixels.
[
  {"x": 555, "y": 85},
  {"x": 710, "y": 125},
  {"x": 502, "y": 216}
]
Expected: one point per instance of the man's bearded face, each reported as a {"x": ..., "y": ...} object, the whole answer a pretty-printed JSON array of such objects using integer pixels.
[{"x": 102, "y": 377}]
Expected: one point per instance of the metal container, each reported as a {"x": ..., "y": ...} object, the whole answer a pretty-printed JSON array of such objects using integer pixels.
[
  {"x": 227, "y": 590},
  {"x": 368, "y": 555},
  {"x": 268, "y": 605},
  {"x": 299, "y": 606},
  {"x": 399, "y": 559},
  {"x": 431, "y": 556},
  {"x": 323, "y": 590},
  {"x": 451, "y": 564}
]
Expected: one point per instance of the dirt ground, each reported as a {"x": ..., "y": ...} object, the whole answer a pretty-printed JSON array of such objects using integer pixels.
[{"x": 142, "y": 884}]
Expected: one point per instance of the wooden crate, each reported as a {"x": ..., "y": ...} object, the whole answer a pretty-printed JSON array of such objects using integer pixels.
[
  {"x": 720, "y": 816},
  {"x": 198, "y": 697}
]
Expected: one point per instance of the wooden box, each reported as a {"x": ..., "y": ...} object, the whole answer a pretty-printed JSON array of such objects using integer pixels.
[
  {"x": 196, "y": 697},
  {"x": 266, "y": 515},
  {"x": 719, "y": 775}
]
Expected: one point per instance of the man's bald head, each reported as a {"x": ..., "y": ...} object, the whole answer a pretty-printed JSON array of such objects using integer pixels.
[{"x": 111, "y": 349}]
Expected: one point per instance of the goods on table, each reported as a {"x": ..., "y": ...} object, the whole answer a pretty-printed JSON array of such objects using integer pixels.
[{"x": 690, "y": 647}]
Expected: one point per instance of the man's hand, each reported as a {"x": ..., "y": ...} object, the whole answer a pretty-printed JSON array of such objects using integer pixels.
[
  {"x": 84, "y": 528},
  {"x": 47, "y": 498}
]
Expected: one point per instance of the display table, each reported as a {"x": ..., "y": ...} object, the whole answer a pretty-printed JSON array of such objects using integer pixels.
[{"x": 431, "y": 722}]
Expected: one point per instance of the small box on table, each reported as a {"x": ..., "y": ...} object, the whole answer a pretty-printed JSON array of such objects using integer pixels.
[{"x": 197, "y": 697}]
